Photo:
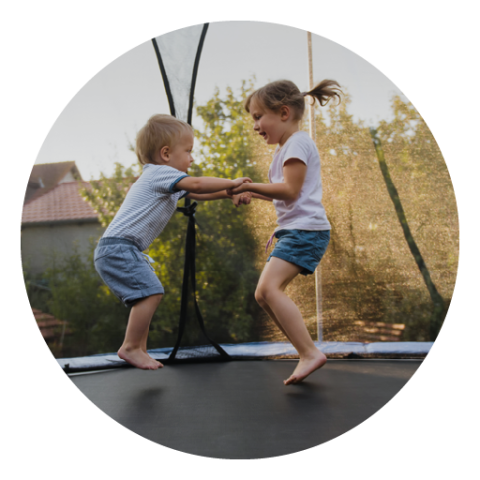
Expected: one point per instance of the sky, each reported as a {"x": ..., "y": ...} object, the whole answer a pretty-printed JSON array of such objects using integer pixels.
[{"x": 100, "y": 122}]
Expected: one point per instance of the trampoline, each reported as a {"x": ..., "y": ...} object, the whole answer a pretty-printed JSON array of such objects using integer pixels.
[{"x": 241, "y": 409}]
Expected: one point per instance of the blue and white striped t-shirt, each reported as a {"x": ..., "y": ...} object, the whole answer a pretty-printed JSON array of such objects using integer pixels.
[{"x": 148, "y": 206}]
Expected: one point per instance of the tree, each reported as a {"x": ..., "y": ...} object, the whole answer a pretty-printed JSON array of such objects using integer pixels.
[{"x": 369, "y": 273}]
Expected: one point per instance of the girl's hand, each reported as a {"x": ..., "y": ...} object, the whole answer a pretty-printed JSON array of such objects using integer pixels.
[{"x": 238, "y": 182}]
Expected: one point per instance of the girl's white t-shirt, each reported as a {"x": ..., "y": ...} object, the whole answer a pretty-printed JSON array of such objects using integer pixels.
[{"x": 307, "y": 212}]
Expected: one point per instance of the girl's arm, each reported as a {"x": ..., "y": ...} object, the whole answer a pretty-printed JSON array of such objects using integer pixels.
[
  {"x": 294, "y": 171},
  {"x": 262, "y": 197}
]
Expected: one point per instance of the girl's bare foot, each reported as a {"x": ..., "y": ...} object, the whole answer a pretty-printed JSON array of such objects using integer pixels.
[
  {"x": 138, "y": 358},
  {"x": 144, "y": 350},
  {"x": 305, "y": 367}
]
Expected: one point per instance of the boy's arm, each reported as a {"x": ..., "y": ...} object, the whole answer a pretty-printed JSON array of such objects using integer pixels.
[
  {"x": 209, "y": 185},
  {"x": 241, "y": 199},
  {"x": 209, "y": 196}
]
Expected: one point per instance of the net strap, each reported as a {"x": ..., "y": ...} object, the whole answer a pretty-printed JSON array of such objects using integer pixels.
[{"x": 189, "y": 271}]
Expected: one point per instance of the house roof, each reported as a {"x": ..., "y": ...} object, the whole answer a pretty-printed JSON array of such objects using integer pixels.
[
  {"x": 62, "y": 203},
  {"x": 46, "y": 176}
]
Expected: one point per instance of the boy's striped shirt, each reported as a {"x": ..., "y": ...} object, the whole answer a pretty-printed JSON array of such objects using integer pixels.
[{"x": 148, "y": 206}]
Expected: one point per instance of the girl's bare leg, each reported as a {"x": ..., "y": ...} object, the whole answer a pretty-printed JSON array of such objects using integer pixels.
[
  {"x": 270, "y": 293},
  {"x": 133, "y": 349},
  {"x": 267, "y": 309}
]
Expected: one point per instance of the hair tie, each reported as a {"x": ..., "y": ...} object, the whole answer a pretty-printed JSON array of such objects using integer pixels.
[{"x": 304, "y": 94}]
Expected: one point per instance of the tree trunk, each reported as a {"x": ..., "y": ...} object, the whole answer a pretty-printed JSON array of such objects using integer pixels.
[{"x": 438, "y": 302}]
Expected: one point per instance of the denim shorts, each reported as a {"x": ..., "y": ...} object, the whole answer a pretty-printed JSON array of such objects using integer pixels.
[
  {"x": 304, "y": 248},
  {"x": 126, "y": 270}
]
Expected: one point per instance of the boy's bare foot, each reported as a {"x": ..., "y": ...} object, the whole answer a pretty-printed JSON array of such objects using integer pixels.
[
  {"x": 138, "y": 358},
  {"x": 305, "y": 367}
]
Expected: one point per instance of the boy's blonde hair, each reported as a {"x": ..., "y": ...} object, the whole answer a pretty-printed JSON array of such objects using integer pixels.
[
  {"x": 160, "y": 131},
  {"x": 284, "y": 92}
]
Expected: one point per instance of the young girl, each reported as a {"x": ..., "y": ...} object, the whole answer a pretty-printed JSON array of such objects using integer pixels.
[{"x": 295, "y": 188}]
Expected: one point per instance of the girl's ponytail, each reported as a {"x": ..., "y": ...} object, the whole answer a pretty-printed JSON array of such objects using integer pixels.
[
  {"x": 284, "y": 92},
  {"x": 324, "y": 91}
]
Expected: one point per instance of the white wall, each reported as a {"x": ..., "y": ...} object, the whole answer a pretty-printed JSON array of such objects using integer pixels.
[{"x": 41, "y": 241}]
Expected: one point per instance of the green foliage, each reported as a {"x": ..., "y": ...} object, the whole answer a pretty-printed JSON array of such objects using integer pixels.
[
  {"x": 96, "y": 319},
  {"x": 107, "y": 194},
  {"x": 37, "y": 289}
]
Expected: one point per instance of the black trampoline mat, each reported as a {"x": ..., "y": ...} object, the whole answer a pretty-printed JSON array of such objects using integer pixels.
[{"x": 242, "y": 409}]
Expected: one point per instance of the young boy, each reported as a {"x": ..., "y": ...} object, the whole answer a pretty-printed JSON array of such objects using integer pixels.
[{"x": 164, "y": 148}]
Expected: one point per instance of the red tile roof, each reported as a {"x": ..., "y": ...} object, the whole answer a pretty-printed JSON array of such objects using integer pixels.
[
  {"x": 46, "y": 176},
  {"x": 60, "y": 204}
]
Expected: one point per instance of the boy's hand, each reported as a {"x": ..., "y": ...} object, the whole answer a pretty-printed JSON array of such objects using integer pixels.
[
  {"x": 242, "y": 199},
  {"x": 239, "y": 181}
]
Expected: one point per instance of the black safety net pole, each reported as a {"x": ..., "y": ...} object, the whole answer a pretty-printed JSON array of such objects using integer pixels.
[
  {"x": 189, "y": 271},
  {"x": 166, "y": 83},
  {"x": 188, "y": 210}
]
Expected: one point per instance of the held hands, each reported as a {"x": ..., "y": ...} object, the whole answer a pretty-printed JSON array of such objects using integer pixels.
[
  {"x": 236, "y": 188},
  {"x": 238, "y": 197}
]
